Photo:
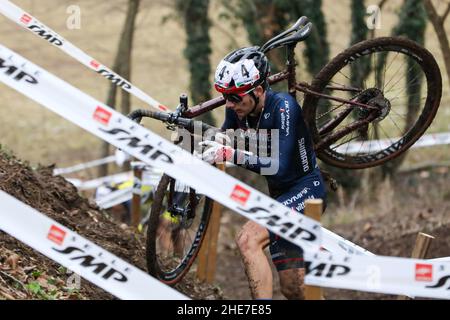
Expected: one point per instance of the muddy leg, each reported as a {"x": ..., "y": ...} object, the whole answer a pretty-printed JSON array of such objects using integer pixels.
[
  {"x": 292, "y": 283},
  {"x": 251, "y": 241}
]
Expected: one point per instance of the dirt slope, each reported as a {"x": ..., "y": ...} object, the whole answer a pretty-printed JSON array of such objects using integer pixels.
[
  {"x": 26, "y": 274},
  {"x": 421, "y": 203}
]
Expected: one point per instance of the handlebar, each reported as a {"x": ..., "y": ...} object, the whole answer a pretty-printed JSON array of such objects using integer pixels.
[
  {"x": 188, "y": 124},
  {"x": 298, "y": 32}
]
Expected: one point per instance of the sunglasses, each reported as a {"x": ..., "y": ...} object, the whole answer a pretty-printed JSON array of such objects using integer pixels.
[{"x": 236, "y": 97}]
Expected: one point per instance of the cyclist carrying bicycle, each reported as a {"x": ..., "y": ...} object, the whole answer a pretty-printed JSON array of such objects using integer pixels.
[{"x": 241, "y": 77}]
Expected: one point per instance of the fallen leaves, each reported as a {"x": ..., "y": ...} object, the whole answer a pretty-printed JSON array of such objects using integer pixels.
[{"x": 12, "y": 261}]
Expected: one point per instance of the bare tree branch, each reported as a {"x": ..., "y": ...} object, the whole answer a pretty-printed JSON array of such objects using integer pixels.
[
  {"x": 381, "y": 4},
  {"x": 432, "y": 13},
  {"x": 122, "y": 66},
  {"x": 438, "y": 25},
  {"x": 447, "y": 11},
  {"x": 228, "y": 34}
]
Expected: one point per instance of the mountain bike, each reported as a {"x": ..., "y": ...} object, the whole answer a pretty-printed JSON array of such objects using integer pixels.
[{"x": 365, "y": 107}]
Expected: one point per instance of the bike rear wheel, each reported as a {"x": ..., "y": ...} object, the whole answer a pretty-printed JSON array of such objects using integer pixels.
[
  {"x": 177, "y": 225},
  {"x": 397, "y": 77}
]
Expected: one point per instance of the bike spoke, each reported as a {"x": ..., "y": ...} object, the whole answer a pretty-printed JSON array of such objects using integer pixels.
[
  {"x": 395, "y": 74},
  {"x": 345, "y": 76},
  {"x": 408, "y": 83},
  {"x": 385, "y": 69},
  {"x": 396, "y": 85},
  {"x": 395, "y": 124},
  {"x": 397, "y": 114}
]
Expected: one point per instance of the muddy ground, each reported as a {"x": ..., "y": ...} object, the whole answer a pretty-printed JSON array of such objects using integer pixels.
[
  {"x": 421, "y": 204},
  {"x": 26, "y": 274}
]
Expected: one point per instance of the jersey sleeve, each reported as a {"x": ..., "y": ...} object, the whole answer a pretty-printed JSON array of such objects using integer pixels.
[{"x": 230, "y": 121}]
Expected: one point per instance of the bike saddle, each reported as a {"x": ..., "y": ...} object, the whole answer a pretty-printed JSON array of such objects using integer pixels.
[{"x": 298, "y": 32}]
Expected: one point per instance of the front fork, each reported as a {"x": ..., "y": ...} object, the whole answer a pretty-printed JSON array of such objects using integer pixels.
[{"x": 179, "y": 207}]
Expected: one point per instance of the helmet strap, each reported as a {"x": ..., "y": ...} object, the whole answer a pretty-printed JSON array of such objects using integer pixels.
[{"x": 256, "y": 99}]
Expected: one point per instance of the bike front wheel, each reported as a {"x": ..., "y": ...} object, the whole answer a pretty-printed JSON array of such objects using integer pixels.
[
  {"x": 401, "y": 82},
  {"x": 177, "y": 225}
]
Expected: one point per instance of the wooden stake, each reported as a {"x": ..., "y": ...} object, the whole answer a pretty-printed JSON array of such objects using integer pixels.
[
  {"x": 202, "y": 258},
  {"x": 214, "y": 226},
  {"x": 423, "y": 242},
  {"x": 313, "y": 209},
  {"x": 206, "y": 266},
  {"x": 136, "y": 199}
]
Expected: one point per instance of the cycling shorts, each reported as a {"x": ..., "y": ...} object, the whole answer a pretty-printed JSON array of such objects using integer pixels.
[{"x": 286, "y": 255}]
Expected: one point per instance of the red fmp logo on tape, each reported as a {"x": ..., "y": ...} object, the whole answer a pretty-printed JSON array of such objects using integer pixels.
[
  {"x": 25, "y": 19},
  {"x": 163, "y": 108},
  {"x": 424, "y": 272},
  {"x": 95, "y": 64},
  {"x": 240, "y": 194},
  {"x": 56, "y": 235},
  {"x": 102, "y": 115}
]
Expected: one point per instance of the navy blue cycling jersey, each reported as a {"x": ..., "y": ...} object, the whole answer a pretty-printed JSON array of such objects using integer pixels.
[{"x": 296, "y": 158}]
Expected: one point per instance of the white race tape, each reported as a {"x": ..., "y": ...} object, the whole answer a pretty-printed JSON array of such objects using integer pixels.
[
  {"x": 83, "y": 166},
  {"x": 113, "y": 127},
  {"x": 119, "y": 158},
  {"x": 379, "y": 145},
  {"x": 95, "y": 183},
  {"x": 30, "y": 23},
  {"x": 338, "y": 245},
  {"x": 114, "y": 198},
  {"x": 392, "y": 275},
  {"x": 150, "y": 179},
  {"x": 25, "y": 20},
  {"x": 75, "y": 252},
  {"x": 441, "y": 259},
  {"x": 360, "y": 271}
]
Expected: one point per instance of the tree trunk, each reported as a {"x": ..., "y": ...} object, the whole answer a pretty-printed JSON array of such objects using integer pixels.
[
  {"x": 438, "y": 25},
  {"x": 359, "y": 71},
  {"x": 122, "y": 66},
  {"x": 412, "y": 24},
  {"x": 125, "y": 49},
  {"x": 197, "y": 50}
]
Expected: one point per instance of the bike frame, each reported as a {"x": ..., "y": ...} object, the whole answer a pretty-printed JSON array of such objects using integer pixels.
[{"x": 327, "y": 136}]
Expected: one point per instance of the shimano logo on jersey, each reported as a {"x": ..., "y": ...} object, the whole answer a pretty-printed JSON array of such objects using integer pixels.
[
  {"x": 118, "y": 81},
  {"x": 136, "y": 143},
  {"x": 303, "y": 154},
  {"x": 16, "y": 73},
  {"x": 45, "y": 34}
]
